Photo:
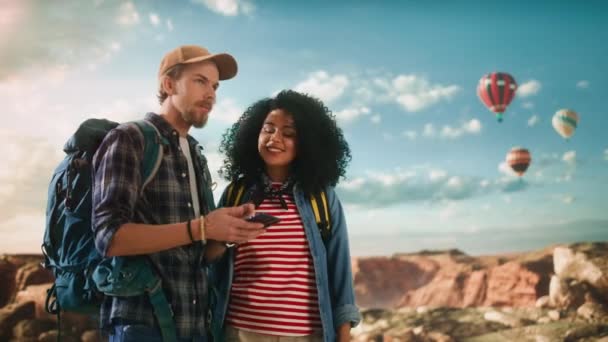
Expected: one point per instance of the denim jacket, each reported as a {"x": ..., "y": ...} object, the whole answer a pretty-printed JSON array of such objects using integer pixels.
[{"x": 331, "y": 259}]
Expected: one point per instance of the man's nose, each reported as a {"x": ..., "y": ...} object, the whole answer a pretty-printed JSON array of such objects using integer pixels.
[{"x": 212, "y": 95}]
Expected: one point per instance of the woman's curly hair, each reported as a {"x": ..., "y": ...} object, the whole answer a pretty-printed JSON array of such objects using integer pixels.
[{"x": 322, "y": 153}]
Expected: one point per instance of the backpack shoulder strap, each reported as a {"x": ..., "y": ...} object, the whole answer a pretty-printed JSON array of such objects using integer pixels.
[
  {"x": 153, "y": 150},
  {"x": 234, "y": 192},
  {"x": 318, "y": 201}
]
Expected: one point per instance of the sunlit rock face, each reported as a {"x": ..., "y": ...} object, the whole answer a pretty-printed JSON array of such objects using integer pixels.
[
  {"x": 451, "y": 279},
  {"x": 556, "y": 294}
]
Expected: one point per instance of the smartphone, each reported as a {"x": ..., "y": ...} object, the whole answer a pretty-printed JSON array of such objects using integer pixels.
[{"x": 266, "y": 219}]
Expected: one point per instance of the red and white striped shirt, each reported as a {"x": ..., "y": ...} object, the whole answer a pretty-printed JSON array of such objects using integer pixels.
[{"x": 274, "y": 291}]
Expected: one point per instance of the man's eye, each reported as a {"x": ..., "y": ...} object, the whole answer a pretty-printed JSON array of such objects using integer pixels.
[{"x": 268, "y": 129}]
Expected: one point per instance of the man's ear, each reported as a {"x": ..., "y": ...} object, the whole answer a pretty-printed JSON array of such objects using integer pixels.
[{"x": 168, "y": 85}]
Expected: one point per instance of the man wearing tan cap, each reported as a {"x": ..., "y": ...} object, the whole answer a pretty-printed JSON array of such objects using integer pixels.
[{"x": 172, "y": 217}]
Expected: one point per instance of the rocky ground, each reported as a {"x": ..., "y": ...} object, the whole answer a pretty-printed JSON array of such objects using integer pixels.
[{"x": 556, "y": 294}]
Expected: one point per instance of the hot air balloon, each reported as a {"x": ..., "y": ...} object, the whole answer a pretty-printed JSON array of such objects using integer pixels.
[
  {"x": 496, "y": 90},
  {"x": 519, "y": 159},
  {"x": 565, "y": 121}
]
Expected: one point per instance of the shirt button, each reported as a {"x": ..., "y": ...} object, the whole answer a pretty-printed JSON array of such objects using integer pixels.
[
  {"x": 189, "y": 205},
  {"x": 194, "y": 301},
  {"x": 183, "y": 175}
]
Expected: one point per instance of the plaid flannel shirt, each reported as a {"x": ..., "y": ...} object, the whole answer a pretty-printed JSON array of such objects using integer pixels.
[{"x": 166, "y": 199}]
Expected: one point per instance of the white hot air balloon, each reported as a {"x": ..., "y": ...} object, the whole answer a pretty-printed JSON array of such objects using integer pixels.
[{"x": 565, "y": 121}]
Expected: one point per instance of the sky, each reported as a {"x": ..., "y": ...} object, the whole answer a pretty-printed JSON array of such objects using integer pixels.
[{"x": 428, "y": 168}]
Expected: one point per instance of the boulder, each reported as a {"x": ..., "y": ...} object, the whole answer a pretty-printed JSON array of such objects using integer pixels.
[
  {"x": 36, "y": 294},
  {"x": 585, "y": 262},
  {"x": 502, "y": 318},
  {"x": 32, "y": 328},
  {"x": 91, "y": 336},
  {"x": 33, "y": 273},
  {"x": 52, "y": 336},
  {"x": 7, "y": 279},
  {"x": 592, "y": 312},
  {"x": 566, "y": 293},
  {"x": 11, "y": 314}
]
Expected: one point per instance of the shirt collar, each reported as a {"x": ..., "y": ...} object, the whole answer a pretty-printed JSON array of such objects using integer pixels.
[{"x": 167, "y": 131}]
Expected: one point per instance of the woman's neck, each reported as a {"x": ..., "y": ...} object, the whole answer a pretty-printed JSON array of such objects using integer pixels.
[{"x": 278, "y": 175}]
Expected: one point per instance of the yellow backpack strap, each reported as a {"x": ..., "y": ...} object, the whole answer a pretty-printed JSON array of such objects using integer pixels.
[
  {"x": 239, "y": 194},
  {"x": 229, "y": 194},
  {"x": 235, "y": 192},
  {"x": 320, "y": 208}
]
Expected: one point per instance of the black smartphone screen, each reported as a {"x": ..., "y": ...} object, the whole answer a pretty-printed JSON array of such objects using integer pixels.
[{"x": 264, "y": 218}]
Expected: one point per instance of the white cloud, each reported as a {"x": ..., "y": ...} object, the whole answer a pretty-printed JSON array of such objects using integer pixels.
[
  {"x": 429, "y": 130},
  {"x": 226, "y": 111},
  {"x": 352, "y": 184},
  {"x": 59, "y": 39},
  {"x": 471, "y": 127},
  {"x": 228, "y": 7},
  {"x": 388, "y": 179},
  {"x": 169, "y": 25},
  {"x": 568, "y": 199},
  {"x": 569, "y": 157},
  {"x": 411, "y": 135},
  {"x": 529, "y": 88},
  {"x": 437, "y": 175},
  {"x": 29, "y": 225},
  {"x": 415, "y": 93},
  {"x": 582, "y": 84},
  {"x": 420, "y": 184},
  {"x": 351, "y": 114},
  {"x": 528, "y": 105},
  {"x": 533, "y": 120},
  {"x": 128, "y": 15},
  {"x": 375, "y": 119},
  {"x": 28, "y": 164},
  {"x": 505, "y": 169},
  {"x": 320, "y": 84},
  {"x": 154, "y": 19},
  {"x": 448, "y": 211},
  {"x": 606, "y": 154},
  {"x": 387, "y": 136}
]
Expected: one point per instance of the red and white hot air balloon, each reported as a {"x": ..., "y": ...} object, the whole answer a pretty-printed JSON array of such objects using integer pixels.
[
  {"x": 496, "y": 90},
  {"x": 519, "y": 159}
]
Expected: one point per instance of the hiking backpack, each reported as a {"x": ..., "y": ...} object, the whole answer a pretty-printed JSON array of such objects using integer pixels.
[
  {"x": 318, "y": 202},
  {"x": 82, "y": 275}
]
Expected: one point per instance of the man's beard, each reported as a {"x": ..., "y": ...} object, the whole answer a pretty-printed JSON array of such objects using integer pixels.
[{"x": 189, "y": 117}]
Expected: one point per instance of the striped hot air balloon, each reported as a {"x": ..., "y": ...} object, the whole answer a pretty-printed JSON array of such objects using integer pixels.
[
  {"x": 565, "y": 121},
  {"x": 519, "y": 159},
  {"x": 496, "y": 90}
]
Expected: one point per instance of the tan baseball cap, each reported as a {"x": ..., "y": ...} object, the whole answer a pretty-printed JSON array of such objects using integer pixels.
[{"x": 185, "y": 54}]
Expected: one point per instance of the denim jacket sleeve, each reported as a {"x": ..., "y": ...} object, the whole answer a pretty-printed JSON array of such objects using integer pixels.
[{"x": 341, "y": 285}]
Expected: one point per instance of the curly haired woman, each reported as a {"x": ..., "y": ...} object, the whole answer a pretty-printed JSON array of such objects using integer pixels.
[{"x": 290, "y": 283}]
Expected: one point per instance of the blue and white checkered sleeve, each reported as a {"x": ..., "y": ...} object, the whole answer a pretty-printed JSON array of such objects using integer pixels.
[{"x": 116, "y": 183}]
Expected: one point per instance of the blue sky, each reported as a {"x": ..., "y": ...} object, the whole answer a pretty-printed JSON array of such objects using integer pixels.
[{"x": 428, "y": 166}]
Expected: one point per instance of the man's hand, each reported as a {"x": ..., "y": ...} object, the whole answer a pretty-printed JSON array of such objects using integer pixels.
[{"x": 229, "y": 225}]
